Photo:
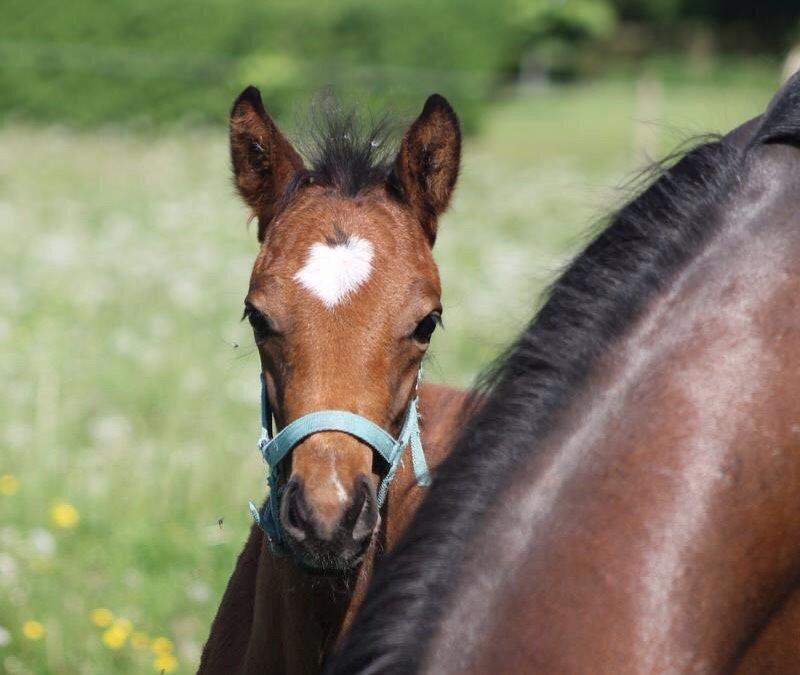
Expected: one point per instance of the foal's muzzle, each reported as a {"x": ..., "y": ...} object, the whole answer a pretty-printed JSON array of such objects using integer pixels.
[
  {"x": 272, "y": 519},
  {"x": 324, "y": 545}
]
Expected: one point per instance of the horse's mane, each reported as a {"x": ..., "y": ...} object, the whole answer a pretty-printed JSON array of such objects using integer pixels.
[
  {"x": 592, "y": 304},
  {"x": 345, "y": 148}
]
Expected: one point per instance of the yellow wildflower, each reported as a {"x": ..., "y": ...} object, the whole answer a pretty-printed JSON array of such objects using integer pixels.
[
  {"x": 33, "y": 630},
  {"x": 9, "y": 484},
  {"x": 124, "y": 626},
  {"x": 114, "y": 637},
  {"x": 140, "y": 640},
  {"x": 162, "y": 645},
  {"x": 65, "y": 515},
  {"x": 165, "y": 663},
  {"x": 101, "y": 617}
]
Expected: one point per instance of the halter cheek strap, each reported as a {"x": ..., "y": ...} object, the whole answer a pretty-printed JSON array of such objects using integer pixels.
[{"x": 275, "y": 448}]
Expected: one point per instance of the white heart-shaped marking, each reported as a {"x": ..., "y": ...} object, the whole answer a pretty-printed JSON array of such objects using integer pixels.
[{"x": 332, "y": 273}]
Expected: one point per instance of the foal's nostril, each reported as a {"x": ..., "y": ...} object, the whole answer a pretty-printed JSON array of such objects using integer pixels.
[
  {"x": 294, "y": 511},
  {"x": 366, "y": 509}
]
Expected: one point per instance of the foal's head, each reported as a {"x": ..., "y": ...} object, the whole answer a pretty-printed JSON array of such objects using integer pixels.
[{"x": 343, "y": 299}]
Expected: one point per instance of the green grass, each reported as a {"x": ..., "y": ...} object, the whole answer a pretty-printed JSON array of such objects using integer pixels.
[{"x": 130, "y": 387}]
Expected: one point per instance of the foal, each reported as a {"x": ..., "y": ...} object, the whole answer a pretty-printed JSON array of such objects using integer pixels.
[
  {"x": 343, "y": 299},
  {"x": 627, "y": 499}
]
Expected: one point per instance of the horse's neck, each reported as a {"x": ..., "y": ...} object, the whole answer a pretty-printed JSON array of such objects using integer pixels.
[{"x": 655, "y": 530}]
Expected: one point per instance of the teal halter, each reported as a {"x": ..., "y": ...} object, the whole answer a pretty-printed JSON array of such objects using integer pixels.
[{"x": 275, "y": 448}]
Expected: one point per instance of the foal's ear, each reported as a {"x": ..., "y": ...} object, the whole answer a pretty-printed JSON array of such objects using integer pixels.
[
  {"x": 426, "y": 167},
  {"x": 263, "y": 160}
]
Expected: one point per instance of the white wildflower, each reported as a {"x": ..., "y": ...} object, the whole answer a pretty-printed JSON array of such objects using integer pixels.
[
  {"x": 58, "y": 250},
  {"x": 110, "y": 430},
  {"x": 8, "y": 570},
  {"x": 198, "y": 592},
  {"x": 42, "y": 542}
]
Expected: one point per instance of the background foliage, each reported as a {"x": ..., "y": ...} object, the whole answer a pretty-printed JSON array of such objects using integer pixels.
[{"x": 89, "y": 62}]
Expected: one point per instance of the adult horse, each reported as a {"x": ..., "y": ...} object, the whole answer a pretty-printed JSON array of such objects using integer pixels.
[
  {"x": 628, "y": 498},
  {"x": 343, "y": 299}
]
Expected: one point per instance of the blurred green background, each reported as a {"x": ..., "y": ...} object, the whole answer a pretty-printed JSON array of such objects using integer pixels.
[{"x": 128, "y": 412}]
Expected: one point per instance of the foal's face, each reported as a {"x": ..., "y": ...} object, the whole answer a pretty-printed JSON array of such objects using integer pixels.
[{"x": 343, "y": 299}]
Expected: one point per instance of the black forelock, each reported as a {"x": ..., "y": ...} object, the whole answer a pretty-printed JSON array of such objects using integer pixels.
[
  {"x": 344, "y": 148},
  {"x": 596, "y": 299}
]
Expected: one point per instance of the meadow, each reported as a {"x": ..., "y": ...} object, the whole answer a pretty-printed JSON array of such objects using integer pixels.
[{"x": 129, "y": 407}]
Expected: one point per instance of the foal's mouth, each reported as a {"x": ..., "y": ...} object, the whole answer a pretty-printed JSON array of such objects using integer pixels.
[{"x": 332, "y": 563}]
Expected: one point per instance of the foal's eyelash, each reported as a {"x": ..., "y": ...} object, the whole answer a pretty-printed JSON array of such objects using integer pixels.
[
  {"x": 249, "y": 310},
  {"x": 260, "y": 322}
]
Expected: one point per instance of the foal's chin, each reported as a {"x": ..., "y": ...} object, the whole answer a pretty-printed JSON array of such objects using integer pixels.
[{"x": 329, "y": 561}]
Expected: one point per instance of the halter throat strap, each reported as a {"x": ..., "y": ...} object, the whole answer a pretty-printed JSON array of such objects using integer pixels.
[{"x": 275, "y": 448}]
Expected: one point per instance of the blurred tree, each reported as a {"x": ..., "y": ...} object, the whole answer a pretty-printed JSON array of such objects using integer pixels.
[
  {"x": 659, "y": 11},
  {"x": 93, "y": 61},
  {"x": 89, "y": 61},
  {"x": 547, "y": 34},
  {"x": 770, "y": 25}
]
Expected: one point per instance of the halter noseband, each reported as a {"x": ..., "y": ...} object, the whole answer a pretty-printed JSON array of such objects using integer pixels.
[{"x": 275, "y": 448}]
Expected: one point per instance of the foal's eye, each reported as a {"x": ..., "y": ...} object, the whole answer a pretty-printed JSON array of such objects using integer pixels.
[
  {"x": 425, "y": 328},
  {"x": 262, "y": 326}
]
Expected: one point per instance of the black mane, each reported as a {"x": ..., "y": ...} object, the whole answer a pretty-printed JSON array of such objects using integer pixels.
[
  {"x": 590, "y": 306},
  {"x": 344, "y": 149}
]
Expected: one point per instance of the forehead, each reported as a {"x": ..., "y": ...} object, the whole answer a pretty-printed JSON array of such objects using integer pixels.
[{"x": 331, "y": 247}]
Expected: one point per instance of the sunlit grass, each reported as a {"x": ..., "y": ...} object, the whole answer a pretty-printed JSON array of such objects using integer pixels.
[{"x": 129, "y": 410}]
